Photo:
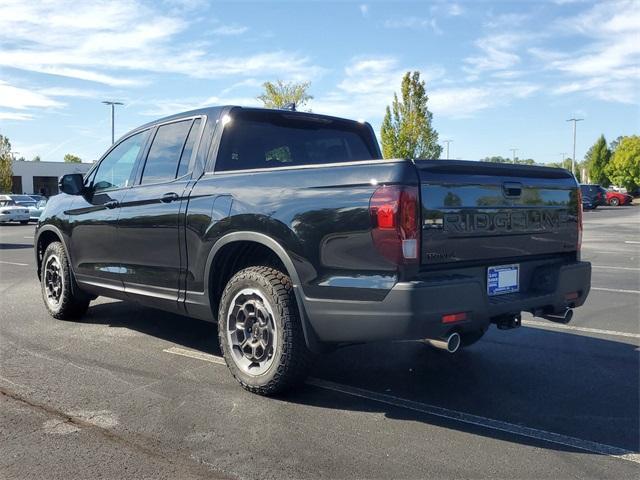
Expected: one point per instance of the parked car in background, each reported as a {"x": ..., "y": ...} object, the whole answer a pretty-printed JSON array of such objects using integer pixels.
[
  {"x": 37, "y": 198},
  {"x": 617, "y": 198},
  {"x": 587, "y": 204},
  {"x": 10, "y": 211},
  {"x": 37, "y": 209},
  {"x": 596, "y": 195},
  {"x": 29, "y": 202},
  {"x": 635, "y": 193}
]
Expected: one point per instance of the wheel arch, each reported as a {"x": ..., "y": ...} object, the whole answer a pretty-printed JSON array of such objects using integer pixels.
[
  {"x": 46, "y": 235},
  {"x": 235, "y": 241}
]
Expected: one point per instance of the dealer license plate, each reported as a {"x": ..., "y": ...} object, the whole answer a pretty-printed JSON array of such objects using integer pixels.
[{"x": 503, "y": 279}]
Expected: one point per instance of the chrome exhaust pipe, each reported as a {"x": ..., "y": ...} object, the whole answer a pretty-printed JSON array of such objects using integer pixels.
[
  {"x": 450, "y": 344},
  {"x": 559, "y": 317}
]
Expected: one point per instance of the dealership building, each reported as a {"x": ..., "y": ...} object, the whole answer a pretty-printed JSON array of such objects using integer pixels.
[{"x": 42, "y": 177}]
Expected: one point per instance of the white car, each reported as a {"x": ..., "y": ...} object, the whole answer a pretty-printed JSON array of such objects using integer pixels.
[{"x": 12, "y": 212}]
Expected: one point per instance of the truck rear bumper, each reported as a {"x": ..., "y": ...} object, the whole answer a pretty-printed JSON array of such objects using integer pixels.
[{"x": 414, "y": 310}]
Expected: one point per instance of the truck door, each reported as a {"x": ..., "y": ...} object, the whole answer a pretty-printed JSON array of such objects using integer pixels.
[
  {"x": 95, "y": 251},
  {"x": 150, "y": 226}
]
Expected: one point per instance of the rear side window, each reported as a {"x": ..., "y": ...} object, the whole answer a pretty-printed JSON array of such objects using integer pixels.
[
  {"x": 277, "y": 139},
  {"x": 183, "y": 167},
  {"x": 165, "y": 152}
]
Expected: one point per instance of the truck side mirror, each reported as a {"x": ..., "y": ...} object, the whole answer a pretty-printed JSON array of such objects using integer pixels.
[{"x": 71, "y": 184}]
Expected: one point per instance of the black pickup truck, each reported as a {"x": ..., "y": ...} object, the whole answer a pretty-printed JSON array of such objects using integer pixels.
[{"x": 291, "y": 232}]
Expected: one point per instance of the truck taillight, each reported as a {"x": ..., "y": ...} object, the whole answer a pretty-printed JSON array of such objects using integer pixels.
[
  {"x": 579, "y": 245},
  {"x": 395, "y": 217}
]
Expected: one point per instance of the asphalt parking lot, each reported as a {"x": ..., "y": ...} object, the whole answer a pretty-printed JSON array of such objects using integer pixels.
[{"x": 130, "y": 392}]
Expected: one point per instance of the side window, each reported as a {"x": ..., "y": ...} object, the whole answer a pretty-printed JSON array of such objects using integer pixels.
[
  {"x": 115, "y": 169},
  {"x": 188, "y": 148},
  {"x": 165, "y": 152}
]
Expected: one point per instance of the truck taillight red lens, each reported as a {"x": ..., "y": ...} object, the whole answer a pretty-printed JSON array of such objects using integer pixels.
[{"x": 395, "y": 223}]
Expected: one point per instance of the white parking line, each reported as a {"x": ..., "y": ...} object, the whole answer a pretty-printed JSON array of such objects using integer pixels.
[
  {"x": 607, "y": 267},
  {"x": 198, "y": 355},
  {"x": 633, "y": 242},
  {"x": 535, "y": 323},
  {"x": 484, "y": 422},
  {"x": 15, "y": 263},
  {"x": 29, "y": 237},
  {"x": 616, "y": 290}
]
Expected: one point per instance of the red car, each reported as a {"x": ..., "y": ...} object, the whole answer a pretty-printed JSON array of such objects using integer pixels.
[{"x": 616, "y": 198}]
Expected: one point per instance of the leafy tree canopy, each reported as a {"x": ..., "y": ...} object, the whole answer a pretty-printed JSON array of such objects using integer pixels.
[
  {"x": 70, "y": 158},
  {"x": 406, "y": 129},
  {"x": 36, "y": 158},
  {"x": 6, "y": 172},
  {"x": 597, "y": 159},
  {"x": 624, "y": 167},
  {"x": 279, "y": 94}
]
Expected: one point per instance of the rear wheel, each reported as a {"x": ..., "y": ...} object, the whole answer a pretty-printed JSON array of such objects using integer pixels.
[
  {"x": 614, "y": 202},
  {"x": 62, "y": 297},
  {"x": 260, "y": 331}
]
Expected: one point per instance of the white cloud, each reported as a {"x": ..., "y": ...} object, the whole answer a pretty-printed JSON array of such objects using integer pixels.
[
  {"x": 498, "y": 52},
  {"x": 22, "y": 98},
  {"x": 413, "y": 22},
  {"x": 228, "y": 30},
  {"x": 118, "y": 43},
  {"x": 607, "y": 66},
  {"x": 19, "y": 116},
  {"x": 165, "y": 107},
  {"x": 455, "y": 10},
  {"x": 364, "y": 9}
]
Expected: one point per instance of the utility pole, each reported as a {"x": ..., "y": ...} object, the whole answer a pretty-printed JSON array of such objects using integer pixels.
[
  {"x": 513, "y": 154},
  {"x": 113, "y": 104},
  {"x": 573, "y": 158},
  {"x": 564, "y": 156},
  {"x": 447, "y": 142}
]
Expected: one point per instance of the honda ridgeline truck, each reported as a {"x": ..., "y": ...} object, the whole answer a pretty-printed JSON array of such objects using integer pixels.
[{"x": 291, "y": 232}]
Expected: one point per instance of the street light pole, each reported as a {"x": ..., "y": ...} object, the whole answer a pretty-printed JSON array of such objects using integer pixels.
[
  {"x": 447, "y": 142},
  {"x": 573, "y": 158},
  {"x": 113, "y": 104},
  {"x": 513, "y": 154}
]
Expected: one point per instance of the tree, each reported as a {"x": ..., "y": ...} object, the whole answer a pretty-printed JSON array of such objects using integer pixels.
[
  {"x": 36, "y": 158},
  {"x": 406, "y": 129},
  {"x": 624, "y": 167},
  {"x": 279, "y": 94},
  {"x": 6, "y": 172},
  {"x": 71, "y": 158},
  {"x": 596, "y": 161}
]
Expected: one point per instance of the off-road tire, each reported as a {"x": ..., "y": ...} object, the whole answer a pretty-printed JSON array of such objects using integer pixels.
[
  {"x": 73, "y": 303},
  {"x": 291, "y": 357}
]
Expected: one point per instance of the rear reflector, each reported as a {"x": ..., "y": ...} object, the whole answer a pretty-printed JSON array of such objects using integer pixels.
[
  {"x": 454, "y": 317},
  {"x": 571, "y": 296}
]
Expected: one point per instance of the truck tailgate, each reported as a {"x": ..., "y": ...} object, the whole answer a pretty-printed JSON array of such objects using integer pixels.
[{"x": 483, "y": 212}]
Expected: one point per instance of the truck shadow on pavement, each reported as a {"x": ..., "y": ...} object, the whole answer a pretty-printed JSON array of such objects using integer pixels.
[{"x": 560, "y": 382}]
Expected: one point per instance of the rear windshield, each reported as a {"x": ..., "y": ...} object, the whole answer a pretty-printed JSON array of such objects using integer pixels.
[{"x": 278, "y": 139}]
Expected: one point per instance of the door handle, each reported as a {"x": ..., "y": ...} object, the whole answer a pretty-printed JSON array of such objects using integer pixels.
[
  {"x": 169, "y": 197},
  {"x": 111, "y": 204}
]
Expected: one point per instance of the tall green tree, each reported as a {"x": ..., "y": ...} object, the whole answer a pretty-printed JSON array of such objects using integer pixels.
[
  {"x": 597, "y": 159},
  {"x": 71, "y": 158},
  {"x": 406, "y": 130},
  {"x": 36, "y": 158},
  {"x": 624, "y": 167},
  {"x": 278, "y": 94},
  {"x": 6, "y": 172}
]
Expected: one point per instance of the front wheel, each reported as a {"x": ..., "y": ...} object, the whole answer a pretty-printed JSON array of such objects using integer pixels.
[
  {"x": 614, "y": 202},
  {"x": 61, "y": 295},
  {"x": 260, "y": 331}
]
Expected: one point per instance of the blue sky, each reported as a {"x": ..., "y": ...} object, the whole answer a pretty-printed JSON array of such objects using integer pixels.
[{"x": 499, "y": 74}]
